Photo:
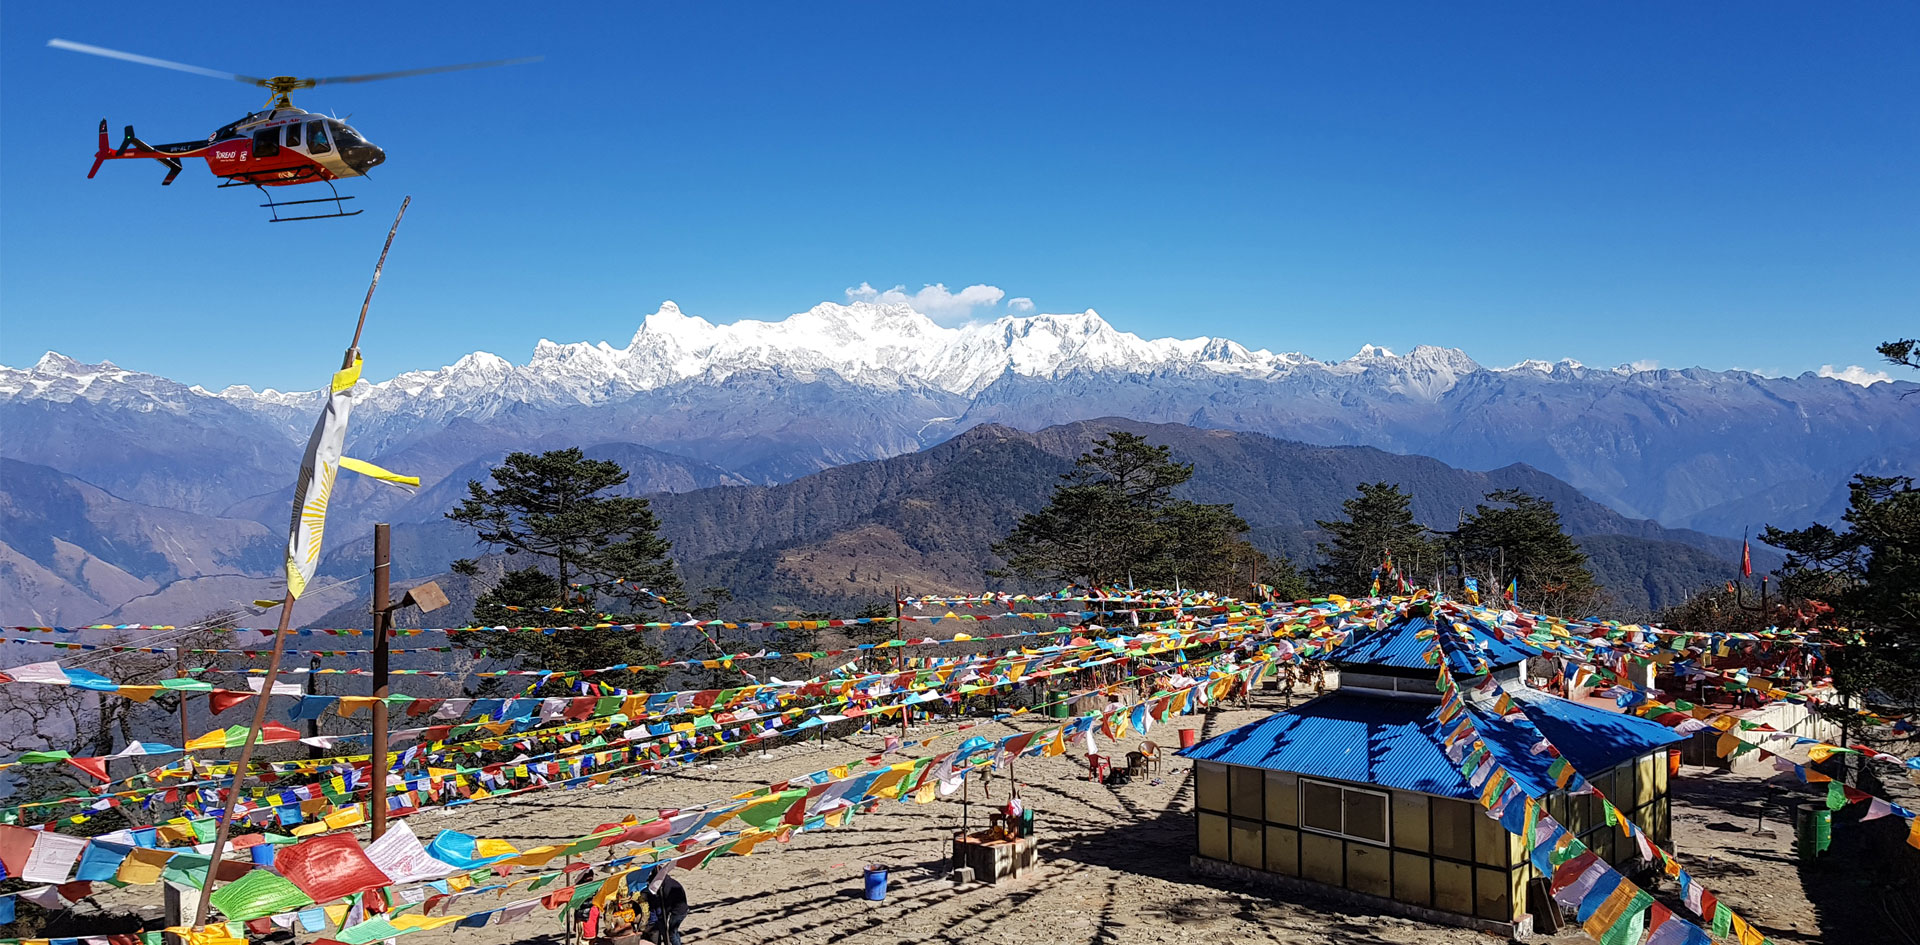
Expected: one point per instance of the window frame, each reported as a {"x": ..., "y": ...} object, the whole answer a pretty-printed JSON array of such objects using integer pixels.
[
  {"x": 1386, "y": 812},
  {"x": 324, "y": 143},
  {"x": 265, "y": 137}
]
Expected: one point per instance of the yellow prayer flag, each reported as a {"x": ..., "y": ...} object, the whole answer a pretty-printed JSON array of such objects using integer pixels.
[
  {"x": 488, "y": 847},
  {"x": 143, "y": 866},
  {"x": 345, "y": 817}
]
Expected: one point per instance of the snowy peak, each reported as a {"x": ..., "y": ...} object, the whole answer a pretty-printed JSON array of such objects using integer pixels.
[{"x": 881, "y": 345}]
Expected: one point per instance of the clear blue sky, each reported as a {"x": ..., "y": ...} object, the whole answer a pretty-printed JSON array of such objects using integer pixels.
[{"x": 1723, "y": 184}]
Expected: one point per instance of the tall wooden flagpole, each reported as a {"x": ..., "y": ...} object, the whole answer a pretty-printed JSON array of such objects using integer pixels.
[{"x": 279, "y": 642}]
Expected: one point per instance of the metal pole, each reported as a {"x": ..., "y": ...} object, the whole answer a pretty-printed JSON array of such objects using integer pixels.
[
  {"x": 246, "y": 758},
  {"x": 382, "y": 625}
]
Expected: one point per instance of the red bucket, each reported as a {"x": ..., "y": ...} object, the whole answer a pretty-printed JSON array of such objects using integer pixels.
[{"x": 1188, "y": 737}]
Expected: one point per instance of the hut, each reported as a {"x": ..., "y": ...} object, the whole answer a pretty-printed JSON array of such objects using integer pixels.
[{"x": 1352, "y": 792}]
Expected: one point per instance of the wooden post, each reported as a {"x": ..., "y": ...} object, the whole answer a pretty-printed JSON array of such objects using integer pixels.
[
  {"x": 900, "y": 664},
  {"x": 180, "y": 672},
  {"x": 312, "y": 684},
  {"x": 382, "y": 625},
  {"x": 240, "y": 767}
]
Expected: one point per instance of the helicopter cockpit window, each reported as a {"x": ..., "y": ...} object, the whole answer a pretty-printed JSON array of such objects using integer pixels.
[
  {"x": 317, "y": 138},
  {"x": 266, "y": 142},
  {"x": 293, "y": 135}
]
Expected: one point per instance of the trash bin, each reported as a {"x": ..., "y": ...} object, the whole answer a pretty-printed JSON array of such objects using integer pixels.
[
  {"x": 1059, "y": 709},
  {"x": 1189, "y": 737},
  {"x": 262, "y": 854},
  {"x": 876, "y": 879},
  {"x": 1812, "y": 829}
]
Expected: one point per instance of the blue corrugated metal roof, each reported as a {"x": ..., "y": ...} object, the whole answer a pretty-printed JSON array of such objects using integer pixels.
[
  {"x": 1592, "y": 739},
  {"x": 1399, "y": 645},
  {"x": 1373, "y": 740},
  {"x": 1395, "y": 743}
]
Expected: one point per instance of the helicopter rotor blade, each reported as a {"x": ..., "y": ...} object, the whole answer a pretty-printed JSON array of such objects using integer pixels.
[
  {"x": 376, "y": 76},
  {"x": 150, "y": 61}
]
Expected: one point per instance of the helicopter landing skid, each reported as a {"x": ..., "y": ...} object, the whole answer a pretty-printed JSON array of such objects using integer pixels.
[{"x": 336, "y": 200}]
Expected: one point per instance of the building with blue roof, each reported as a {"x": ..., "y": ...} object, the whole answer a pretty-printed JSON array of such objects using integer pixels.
[{"x": 1353, "y": 790}]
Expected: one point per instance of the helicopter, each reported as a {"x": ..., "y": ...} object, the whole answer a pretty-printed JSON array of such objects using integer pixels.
[{"x": 276, "y": 147}]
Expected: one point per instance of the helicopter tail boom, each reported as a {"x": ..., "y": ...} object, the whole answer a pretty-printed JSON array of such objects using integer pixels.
[{"x": 133, "y": 147}]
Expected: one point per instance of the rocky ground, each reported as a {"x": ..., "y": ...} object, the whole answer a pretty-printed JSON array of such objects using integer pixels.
[{"x": 1114, "y": 862}]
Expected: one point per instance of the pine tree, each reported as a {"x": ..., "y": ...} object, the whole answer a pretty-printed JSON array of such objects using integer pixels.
[
  {"x": 1379, "y": 522},
  {"x": 1113, "y": 520},
  {"x": 554, "y": 506},
  {"x": 1522, "y": 534},
  {"x": 1869, "y": 573}
]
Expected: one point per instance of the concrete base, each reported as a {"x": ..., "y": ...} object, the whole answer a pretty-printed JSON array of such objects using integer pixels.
[
  {"x": 994, "y": 861},
  {"x": 1518, "y": 931}
]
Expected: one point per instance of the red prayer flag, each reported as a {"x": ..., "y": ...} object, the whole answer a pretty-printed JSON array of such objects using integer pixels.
[
  {"x": 1746, "y": 559},
  {"x": 93, "y": 766},
  {"x": 220, "y": 700},
  {"x": 16, "y": 844},
  {"x": 327, "y": 868}
]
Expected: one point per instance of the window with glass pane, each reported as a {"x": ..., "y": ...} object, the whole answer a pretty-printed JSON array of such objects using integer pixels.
[
  {"x": 1366, "y": 815},
  {"x": 1320, "y": 806}
]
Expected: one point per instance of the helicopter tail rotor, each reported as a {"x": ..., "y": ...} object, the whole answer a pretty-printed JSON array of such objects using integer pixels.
[
  {"x": 100, "y": 157},
  {"x": 132, "y": 146}
]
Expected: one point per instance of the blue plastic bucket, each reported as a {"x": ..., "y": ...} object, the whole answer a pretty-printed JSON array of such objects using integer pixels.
[
  {"x": 262, "y": 854},
  {"x": 876, "y": 883}
]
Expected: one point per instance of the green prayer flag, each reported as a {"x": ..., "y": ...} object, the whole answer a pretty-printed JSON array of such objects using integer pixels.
[
  {"x": 766, "y": 813},
  {"x": 1836, "y": 795},
  {"x": 186, "y": 869},
  {"x": 370, "y": 931},
  {"x": 203, "y": 829},
  {"x": 1632, "y": 923},
  {"x": 1722, "y": 920},
  {"x": 582, "y": 893},
  {"x": 259, "y": 893},
  {"x": 41, "y": 757}
]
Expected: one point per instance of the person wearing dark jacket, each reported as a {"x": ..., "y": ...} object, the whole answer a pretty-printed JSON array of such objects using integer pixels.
[{"x": 666, "y": 906}]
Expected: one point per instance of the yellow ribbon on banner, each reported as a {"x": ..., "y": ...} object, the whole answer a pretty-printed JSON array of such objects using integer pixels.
[{"x": 365, "y": 468}]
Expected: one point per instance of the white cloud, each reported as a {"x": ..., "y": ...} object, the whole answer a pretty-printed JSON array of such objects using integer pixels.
[
  {"x": 1644, "y": 364},
  {"x": 1855, "y": 374},
  {"x": 1020, "y": 305},
  {"x": 934, "y": 301}
]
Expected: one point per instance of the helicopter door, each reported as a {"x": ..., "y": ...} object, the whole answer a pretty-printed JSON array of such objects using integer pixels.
[
  {"x": 317, "y": 142},
  {"x": 266, "y": 143},
  {"x": 293, "y": 135}
]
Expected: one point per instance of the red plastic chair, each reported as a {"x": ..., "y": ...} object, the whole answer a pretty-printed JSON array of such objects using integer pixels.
[{"x": 1098, "y": 766}]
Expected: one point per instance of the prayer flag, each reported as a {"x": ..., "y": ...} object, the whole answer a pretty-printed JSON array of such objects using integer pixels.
[
  {"x": 257, "y": 894},
  {"x": 318, "y": 467},
  {"x": 329, "y": 867},
  {"x": 53, "y": 857}
]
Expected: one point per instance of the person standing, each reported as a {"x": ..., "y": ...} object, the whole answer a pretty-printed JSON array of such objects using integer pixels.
[{"x": 666, "y": 906}]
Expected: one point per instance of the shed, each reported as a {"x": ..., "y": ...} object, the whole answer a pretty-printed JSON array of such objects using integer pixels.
[{"x": 1352, "y": 789}]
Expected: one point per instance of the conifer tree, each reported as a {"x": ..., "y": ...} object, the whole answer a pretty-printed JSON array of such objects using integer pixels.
[
  {"x": 1379, "y": 521},
  {"x": 1113, "y": 520},
  {"x": 1521, "y": 537},
  {"x": 555, "y": 506}
]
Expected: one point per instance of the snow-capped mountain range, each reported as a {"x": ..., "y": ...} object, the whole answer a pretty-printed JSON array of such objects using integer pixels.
[
  {"x": 878, "y": 345},
  {"x": 687, "y": 404}
]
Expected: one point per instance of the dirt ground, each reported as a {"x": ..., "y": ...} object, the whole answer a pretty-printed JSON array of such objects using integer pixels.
[{"x": 1113, "y": 862}]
